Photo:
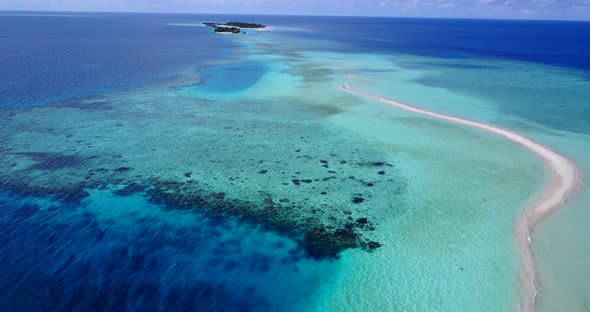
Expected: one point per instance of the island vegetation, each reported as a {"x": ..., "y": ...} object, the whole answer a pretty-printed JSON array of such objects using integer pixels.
[
  {"x": 226, "y": 29},
  {"x": 233, "y": 27},
  {"x": 245, "y": 25}
]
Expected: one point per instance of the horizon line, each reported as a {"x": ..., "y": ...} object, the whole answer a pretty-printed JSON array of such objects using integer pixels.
[{"x": 309, "y": 15}]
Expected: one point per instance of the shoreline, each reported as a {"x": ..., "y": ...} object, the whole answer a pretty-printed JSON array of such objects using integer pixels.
[{"x": 564, "y": 181}]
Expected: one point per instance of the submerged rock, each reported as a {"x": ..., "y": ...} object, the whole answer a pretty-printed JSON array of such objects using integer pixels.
[
  {"x": 122, "y": 169},
  {"x": 320, "y": 243},
  {"x": 358, "y": 200},
  {"x": 373, "y": 245}
]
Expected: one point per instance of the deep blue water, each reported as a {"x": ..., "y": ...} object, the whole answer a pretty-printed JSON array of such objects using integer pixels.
[
  {"x": 565, "y": 43},
  {"x": 56, "y": 257},
  {"x": 52, "y": 58},
  {"x": 44, "y": 59}
]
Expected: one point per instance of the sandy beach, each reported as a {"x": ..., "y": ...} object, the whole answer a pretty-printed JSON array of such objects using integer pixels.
[{"x": 562, "y": 183}]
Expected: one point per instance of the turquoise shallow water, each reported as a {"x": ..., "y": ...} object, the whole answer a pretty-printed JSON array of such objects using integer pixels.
[
  {"x": 250, "y": 182},
  {"x": 230, "y": 78}
]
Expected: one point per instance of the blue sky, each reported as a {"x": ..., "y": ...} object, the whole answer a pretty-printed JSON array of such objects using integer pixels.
[{"x": 526, "y": 9}]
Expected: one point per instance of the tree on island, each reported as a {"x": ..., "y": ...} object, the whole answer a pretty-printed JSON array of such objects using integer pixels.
[
  {"x": 245, "y": 25},
  {"x": 224, "y": 29},
  {"x": 233, "y": 27}
]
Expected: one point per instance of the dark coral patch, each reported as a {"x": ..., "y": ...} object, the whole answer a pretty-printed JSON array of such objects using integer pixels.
[
  {"x": 73, "y": 195},
  {"x": 318, "y": 240},
  {"x": 130, "y": 189},
  {"x": 219, "y": 195},
  {"x": 53, "y": 161},
  {"x": 358, "y": 200},
  {"x": 268, "y": 200},
  {"x": 299, "y": 181},
  {"x": 373, "y": 245},
  {"x": 320, "y": 243},
  {"x": 122, "y": 169},
  {"x": 362, "y": 221},
  {"x": 375, "y": 164},
  {"x": 86, "y": 105}
]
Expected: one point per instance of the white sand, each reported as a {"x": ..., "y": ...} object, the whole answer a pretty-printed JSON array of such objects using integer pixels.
[{"x": 563, "y": 182}]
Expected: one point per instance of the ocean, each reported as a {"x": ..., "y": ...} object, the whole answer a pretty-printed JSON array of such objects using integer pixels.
[{"x": 148, "y": 164}]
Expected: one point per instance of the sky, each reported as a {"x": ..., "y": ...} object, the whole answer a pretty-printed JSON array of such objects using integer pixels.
[{"x": 511, "y": 9}]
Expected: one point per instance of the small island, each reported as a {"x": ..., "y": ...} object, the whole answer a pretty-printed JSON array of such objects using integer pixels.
[
  {"x": 245, "y": 25},
  {"x": 233, "y": 27},
  {"x": 227, "y": 29}
]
